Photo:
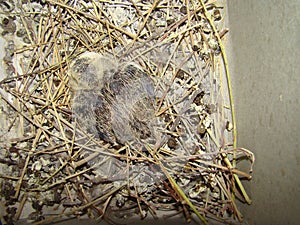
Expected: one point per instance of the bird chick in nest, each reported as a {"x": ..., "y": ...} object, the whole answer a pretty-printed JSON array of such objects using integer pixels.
[{"x": 113, "y": 101}]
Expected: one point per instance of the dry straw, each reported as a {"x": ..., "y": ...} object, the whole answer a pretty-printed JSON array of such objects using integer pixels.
[{"x": 54, "y": 168}]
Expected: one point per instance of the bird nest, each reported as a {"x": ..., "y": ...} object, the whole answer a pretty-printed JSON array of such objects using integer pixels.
[{"x": 114, "y": 109}]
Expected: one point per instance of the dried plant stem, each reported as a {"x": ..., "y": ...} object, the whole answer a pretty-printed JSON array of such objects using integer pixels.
[
  {"x": 86, "y": 15},
  {"x": 226, "y": 71},
  {"x": 245, "y": 195},
  {"x": 56, "y": 172},
  {"x": 9, "y": 177},
  {"x": 20, "y": 181},
  {"x": 85, "y": 160},
  {"x": 228, "y": 163},
  {"x": 94, "y": 202},
  {"x": 139, "y": 203},
  {"x": 175, "y": 186},
  {"x": 183, "y": 195},
  {"x": 154, "y": 5}
]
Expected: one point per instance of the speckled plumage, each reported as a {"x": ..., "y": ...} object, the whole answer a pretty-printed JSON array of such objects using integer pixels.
[{"x": 115, "y": 102}]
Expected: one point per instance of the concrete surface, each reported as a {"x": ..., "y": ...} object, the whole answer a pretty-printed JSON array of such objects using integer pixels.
[{"x": 264, "y": 60}]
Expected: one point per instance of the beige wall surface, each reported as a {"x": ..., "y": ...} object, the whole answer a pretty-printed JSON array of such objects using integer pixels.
[{"x": 264, "y": 59}]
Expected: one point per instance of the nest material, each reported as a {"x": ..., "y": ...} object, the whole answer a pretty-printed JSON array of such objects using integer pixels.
[{"x": 117, "y": 108}]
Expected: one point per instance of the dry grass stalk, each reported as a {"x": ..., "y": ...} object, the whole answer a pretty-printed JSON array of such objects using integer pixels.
[{"x": 194, "y": 159}]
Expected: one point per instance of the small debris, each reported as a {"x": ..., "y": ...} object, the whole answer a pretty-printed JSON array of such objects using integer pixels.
[
  {"x": 172, "y": 143},
  {"x": 8, "y": 25},
  {"x": 229, "y": 126}
]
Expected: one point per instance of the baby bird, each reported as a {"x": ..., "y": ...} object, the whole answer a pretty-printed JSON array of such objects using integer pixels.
[{"x": 115, "y": 102}]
